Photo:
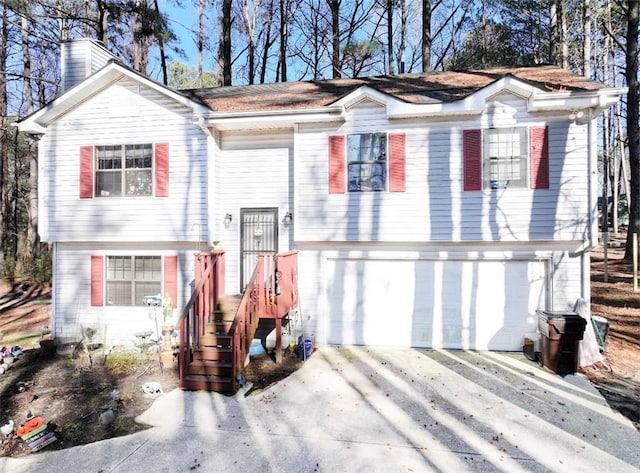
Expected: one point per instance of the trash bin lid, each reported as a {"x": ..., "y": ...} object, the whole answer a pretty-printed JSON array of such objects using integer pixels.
[{"x": 557, "y": 314}]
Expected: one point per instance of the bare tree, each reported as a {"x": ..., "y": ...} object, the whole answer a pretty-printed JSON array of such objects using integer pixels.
[
  {"x": 200, "y": 41},
  {"x": 633, "y": 132},
  {"x": 336, "y": 63},
  {"x": 224, "y": 56},
  {"x": 426, "y": 35},
  {"x": 390, "y": 8},
  {"x": 287, "y": 8},
  {"x": 250, "y": 16},
  {"x": 4, "y": 143},
  {"x": 586, "y": 59}
]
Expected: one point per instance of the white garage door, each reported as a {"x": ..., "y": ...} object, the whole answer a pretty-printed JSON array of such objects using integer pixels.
[{"x": 484, "y": 305}]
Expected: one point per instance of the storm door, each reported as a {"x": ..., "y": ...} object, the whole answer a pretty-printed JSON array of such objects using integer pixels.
[{"x": 258, "y": 234}]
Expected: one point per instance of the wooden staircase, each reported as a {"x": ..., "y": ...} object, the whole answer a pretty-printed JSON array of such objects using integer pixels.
[
  {"x": 216, "y": 330},
  {"x": 211, "y": 366}
]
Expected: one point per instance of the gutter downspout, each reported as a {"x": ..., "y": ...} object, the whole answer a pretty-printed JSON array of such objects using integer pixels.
[
  {"x": 592, "y": 240},
  {"x": 211, "y": 176}
]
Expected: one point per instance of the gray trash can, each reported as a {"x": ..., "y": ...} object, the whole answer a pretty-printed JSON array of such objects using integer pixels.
[
  {"x": 601, "y": 329},
  {"x": 561, "y": 333}
]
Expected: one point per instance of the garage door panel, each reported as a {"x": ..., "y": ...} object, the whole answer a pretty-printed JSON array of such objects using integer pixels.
[{"x": 439, "y": 304}]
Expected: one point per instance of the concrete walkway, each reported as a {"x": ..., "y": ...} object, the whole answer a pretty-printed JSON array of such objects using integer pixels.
[{"x": 375, "y": 410}]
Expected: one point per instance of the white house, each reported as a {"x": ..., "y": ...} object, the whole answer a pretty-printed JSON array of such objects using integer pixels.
[{"x": 429, "y": 210}]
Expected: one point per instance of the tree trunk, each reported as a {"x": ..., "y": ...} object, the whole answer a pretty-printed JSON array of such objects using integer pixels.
[
  {"x": 554, "y": 33},
  {"x": 564, "y": 35},
  {"x": 225, "y": 43},
  {"x": 336, "y": 67},
  {"x": 102, "y": 23},
  {"x": 390, "y": 35},
  {"x": 163, "y": 55},
  {"x": 586, "y": 58},
  {"x": 4, "y": 143},
  {"x": 136, "y": 59},
  {"x": 200, "y": 43},
  {"x": 284, "y": 35},
  {"x": 268, "y": 42},
  {"x": 426, "y": 35},
  {"x": 250, "y": 25},
  {"x": 32, "y": 229},
  {"x": 633, "y": 21},
  {"x": 403, "y": 35}
]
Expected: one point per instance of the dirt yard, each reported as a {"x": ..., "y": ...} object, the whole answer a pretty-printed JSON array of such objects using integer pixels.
[
  {"x": 619, "y": 378},
  {"x": 73, "y": 392}
]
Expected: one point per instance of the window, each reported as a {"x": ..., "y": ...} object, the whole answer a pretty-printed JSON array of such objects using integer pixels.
[
  {"x": 130, "y": 278},
  {"x": 505, "y": 158},
  {"x": 367, "y": 162},
  {"x": 124, "y": 170}
]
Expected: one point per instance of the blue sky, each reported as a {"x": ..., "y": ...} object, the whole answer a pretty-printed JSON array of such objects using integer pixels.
[{"x": 184, "y": 22}]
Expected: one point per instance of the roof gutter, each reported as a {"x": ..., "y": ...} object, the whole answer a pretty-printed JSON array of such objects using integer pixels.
[
  {"x": 270, "y": 118},
  {"x": 561, "y": 101}
]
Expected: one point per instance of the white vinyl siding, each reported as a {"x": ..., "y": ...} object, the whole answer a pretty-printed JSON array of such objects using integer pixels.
[
  {"x": 455, "y": 297},
  {"x": 253, "y": 171},
  {"x": 65, "y": 217},
  {"x": 434, "y": 206},
  {"x": 72, "y": 291}
]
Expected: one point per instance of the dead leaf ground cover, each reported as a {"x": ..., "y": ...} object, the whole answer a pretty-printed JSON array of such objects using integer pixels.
[{"x": 71, "y": 390}]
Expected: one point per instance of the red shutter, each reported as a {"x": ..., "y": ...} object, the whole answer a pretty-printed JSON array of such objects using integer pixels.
[
  {"x": 97, "y": 281},
  {"x": 336, "y": 164},
  {"x": 171, "y": 278},
  {"x": 86, "y": 172},
  {"x": 397, "y": 162},
  {"x": 539, "y": 154},
  {"x": 472, "y": 158},
  {"x": 162, "y": 169}
]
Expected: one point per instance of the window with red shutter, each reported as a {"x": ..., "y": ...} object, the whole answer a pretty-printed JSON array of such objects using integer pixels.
[
  {"x": 367, "y": 159},
  {"x": 162, "y": 169},
  {"x": 336, "y": 164},
  {"x": 124, "y": 170},
  {"x": 86, "y": 172},
  {"x": 539, "y": 155},
  {"x": 472, "y": 159},
  {"x": 171, "y": 278},
  {"x": 97, "y": 281},
  {"x": 397, "y": 173}
]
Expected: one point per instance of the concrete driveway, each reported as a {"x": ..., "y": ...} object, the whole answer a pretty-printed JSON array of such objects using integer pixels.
[{"x": 377, "y": 410}]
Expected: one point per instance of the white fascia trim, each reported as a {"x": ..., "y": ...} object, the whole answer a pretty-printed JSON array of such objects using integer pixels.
[
  {"x": 270, "y": 118},
  {"x": 474, "y": 104},
  {"x": 597, "y": 99},
  {"x": 365, "y": 93},
  {"x": 106, "y": 76}
]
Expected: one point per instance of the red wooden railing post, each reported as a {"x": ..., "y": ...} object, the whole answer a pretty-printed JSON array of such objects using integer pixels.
[{"x": 219, "y": 280}]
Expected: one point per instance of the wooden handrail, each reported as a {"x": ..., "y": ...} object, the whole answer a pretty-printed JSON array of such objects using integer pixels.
[
  {"x": 271, "y": 293},
  {"x": 195, "y": 314},
  {"x": 245, "y": 322}
]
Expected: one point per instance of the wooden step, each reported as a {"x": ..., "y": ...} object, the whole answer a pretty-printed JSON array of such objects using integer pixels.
[
  {"x": 223, "y": 316},
  {"x": 210, "y": 367},
  {"x": 213, "y": 354},
  {"x": 221, "y": 384},
  {"x": 229, "y": 302},
  {"x": 221, "y": 326},
  {"x": 215, "y": 340}
]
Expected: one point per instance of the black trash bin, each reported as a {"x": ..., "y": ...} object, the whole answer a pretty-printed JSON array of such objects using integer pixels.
[{"x": 561, "y": 333}]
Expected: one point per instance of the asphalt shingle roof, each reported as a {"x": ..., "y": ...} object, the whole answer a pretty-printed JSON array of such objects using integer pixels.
[{"x": 426, "y": 88}]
